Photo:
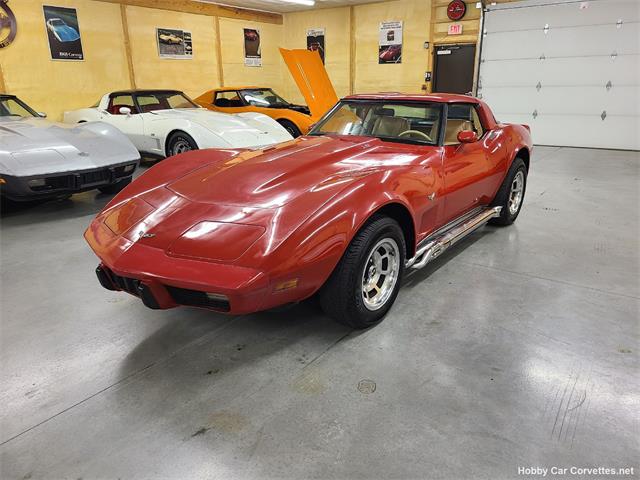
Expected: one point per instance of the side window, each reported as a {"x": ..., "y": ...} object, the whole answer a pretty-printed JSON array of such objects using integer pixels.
[
  {"x": 227, "y": 99},
  {"x": 461, "y": 117},
  {"x": 118, "y": 101}
]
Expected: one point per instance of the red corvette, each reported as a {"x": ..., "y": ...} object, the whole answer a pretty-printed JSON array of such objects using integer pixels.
[{"x": 383, "y": 183}]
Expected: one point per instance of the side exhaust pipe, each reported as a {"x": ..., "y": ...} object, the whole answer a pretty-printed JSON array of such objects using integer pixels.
[{"x": 434, "y": 247}]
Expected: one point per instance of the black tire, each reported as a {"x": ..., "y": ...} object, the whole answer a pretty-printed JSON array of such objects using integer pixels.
[
  {"x": 115, "y": 187},
  {"x": 180, "y": 142},
  {"x": 502, "y": 198},
  {"x": 341, "y": 297},
  {"x": 290, "y": 127}
]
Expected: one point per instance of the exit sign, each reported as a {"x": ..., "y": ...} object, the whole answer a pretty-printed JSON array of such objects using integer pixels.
[{"x": 455, "y": 29}]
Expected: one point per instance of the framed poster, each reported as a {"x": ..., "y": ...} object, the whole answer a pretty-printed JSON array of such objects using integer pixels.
[
  {"x": 315, "y": 41},
  {"x": 390, "y": 42},
  {"x": 174, "y": 43},
  {"x": 252, "y": 55},
  {"x": 63, "y": 31}
]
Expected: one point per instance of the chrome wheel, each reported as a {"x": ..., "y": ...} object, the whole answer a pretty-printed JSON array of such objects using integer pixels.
[
  {"x": 380, "y": 273},
  {"x": 516, "y": 193},
  {"x": 181, "y": 145}
]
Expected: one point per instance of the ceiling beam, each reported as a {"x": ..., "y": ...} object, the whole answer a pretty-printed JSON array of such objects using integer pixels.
[{"x": 203, "y": 8}]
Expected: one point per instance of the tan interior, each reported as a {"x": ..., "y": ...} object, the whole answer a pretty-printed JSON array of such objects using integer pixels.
[
  {"x": 453, "y": 128},
  {"x": 390, "y": 126}
]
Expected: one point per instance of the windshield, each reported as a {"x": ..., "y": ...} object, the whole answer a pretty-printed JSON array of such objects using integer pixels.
[
  {"x": 12, "y": 107},
  {"x": 263, "y": 97},
  {"x": 391, "y": 121},
  {"x": 150, "y": 101},
  {"x": 56, "y": 22}
]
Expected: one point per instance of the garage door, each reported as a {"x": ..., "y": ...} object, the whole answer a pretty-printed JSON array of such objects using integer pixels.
[{"x": 569, "y": 69}]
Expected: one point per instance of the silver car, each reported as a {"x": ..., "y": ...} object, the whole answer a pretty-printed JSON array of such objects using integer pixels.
[{"x": 43, "y": 159}]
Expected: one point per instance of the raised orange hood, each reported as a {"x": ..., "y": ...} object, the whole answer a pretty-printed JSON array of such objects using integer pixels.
[{"x": 311, "y": 77}]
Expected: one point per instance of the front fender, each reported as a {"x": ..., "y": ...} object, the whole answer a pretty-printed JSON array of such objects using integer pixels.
[{"x": 203, "y": 137}]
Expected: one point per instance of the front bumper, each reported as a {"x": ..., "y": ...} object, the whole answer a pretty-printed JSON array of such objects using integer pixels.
[
  {"x": 160, "y": 281},
  {"x": 63, "y": 183}
]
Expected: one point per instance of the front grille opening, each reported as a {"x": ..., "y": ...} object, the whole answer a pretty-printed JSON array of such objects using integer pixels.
[{"x": 196, "y": 298}]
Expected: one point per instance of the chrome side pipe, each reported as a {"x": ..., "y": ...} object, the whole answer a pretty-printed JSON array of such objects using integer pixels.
[{"x": 443, "y": 240}]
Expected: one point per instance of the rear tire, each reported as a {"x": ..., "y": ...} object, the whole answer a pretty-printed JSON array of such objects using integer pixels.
[
  {"x": 511, "y": 194},
  {"x": 115, "y": 187},
  {"x": 180, "y": 142},
  {"x": 366, "y": 281},
  {"x": 290, "y": 127}
]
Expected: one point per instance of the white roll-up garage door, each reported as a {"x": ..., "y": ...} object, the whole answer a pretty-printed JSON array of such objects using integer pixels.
[{"x": 569, "y": 69}]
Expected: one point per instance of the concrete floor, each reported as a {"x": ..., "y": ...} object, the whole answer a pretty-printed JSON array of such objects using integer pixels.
[{"x": 519, "y": 348}]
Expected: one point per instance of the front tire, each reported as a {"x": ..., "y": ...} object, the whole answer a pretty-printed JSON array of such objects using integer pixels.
[
  {"x": 366, "y": 281},
  {"x": 290, "y": 127},
  {"x": 115, "y": 187},
  {"x": 180, "y": 142},
  {"x": 511, "y": 194}
]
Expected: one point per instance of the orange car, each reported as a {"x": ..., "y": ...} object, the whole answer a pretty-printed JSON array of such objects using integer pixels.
[{"x": 297, "y": 119}]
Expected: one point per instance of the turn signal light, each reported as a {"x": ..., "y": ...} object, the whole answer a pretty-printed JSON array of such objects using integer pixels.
[{"x": 286, "y": 285}]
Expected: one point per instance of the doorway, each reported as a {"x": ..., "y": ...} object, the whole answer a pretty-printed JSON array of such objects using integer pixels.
[{"x": 454, "y": 65}]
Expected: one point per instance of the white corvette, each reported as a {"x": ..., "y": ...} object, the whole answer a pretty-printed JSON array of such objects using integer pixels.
[{"x": 167, "y": 122}]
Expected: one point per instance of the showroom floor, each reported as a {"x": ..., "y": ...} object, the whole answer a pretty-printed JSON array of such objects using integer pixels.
[{"x": 519, "y": 348}]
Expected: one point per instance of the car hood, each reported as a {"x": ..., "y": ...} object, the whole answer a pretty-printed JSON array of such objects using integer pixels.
[
  {"x": 32, "y": 146},
  {"x": 273, "y": 177},
  {"x": 241, "y": 130}
]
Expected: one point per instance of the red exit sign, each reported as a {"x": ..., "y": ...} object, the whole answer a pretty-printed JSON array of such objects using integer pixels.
[{"x": 455, "y": 29}]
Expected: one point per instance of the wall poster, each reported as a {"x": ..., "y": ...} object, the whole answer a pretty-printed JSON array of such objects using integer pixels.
[
  {"x": 174, "y": 43},
  {"x": 315, "y": 41},
  {"x": 390, "y": 42},
  {"x": 252, "y": 55},
  {"x": 63, "y": 31}
]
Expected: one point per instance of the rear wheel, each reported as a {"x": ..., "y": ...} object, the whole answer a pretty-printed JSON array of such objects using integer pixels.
[
  {"x": 365, "y": 283},
  {"x": 180, "y": 142},
  {"x": 511, "y": 194},
  {"x": 290, "y": 127}
]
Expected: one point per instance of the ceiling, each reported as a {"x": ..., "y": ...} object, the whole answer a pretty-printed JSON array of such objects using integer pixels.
[{"x": 281, "y": 6}]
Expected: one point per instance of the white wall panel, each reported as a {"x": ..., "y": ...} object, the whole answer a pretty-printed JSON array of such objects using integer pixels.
[{"x": 585, "y": 63}]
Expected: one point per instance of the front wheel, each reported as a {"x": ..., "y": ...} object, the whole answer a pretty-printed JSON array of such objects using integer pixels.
[
  {"x": 290, "y": 127},
  {"x": 511, "y": 194},
  {"x": 365, "y": 283},
  {"x": 180, "y": 142}
]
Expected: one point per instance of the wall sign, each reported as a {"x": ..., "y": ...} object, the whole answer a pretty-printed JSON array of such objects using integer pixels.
[
  {"x": 63, "y": 31},
  {"x": 8, "y": 24},
  {"x": 390, "y": 42},
  {"x": 454, "y": 29},
  {"x": 174, "y": 43},
  {"x": 456, "y": 10},
  {"x": 252, "y": 53},
  {"x": 315, "y": 41}
]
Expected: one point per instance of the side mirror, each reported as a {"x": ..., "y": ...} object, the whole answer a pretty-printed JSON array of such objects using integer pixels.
[
  {"x": 124, "y": 111},
  {"x": 42, "y": 114},
  {"x": 467, "y": 136}
]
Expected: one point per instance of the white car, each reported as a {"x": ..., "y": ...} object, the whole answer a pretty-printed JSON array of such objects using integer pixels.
[{"x": 166, "y": 122}]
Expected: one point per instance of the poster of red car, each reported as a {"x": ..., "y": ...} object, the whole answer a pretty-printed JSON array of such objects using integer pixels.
[
  {"x": 390, "y": 42},
  {"x": 252, "y": 55},
  {"x": 315, "y": 41}
]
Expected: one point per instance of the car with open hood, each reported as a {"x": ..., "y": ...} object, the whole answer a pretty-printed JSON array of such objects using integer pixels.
[
  {"x": 43, "y": 159},
  {"x": 167, "y": 122},
  {"x": 382, "y": 184},
  {"x": 308, "y": 72}
]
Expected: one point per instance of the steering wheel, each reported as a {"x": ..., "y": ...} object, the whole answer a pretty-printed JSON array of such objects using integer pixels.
[{"x": 415, "y": 132}]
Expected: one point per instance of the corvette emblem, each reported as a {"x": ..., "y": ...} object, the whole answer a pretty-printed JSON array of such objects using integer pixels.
[
  {"x": 8, "y": 24},
  {"x": 456, "y": 10},
  {"x": 146, "y": 235}
]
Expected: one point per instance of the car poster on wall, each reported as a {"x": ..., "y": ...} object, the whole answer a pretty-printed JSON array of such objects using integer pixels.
[
  {"x": 390, "y": 42},
  {"x": 174, "y": 43},
  {"x": 63, "y": 31},
  {"x": 252, "y": 55},
  {"x": 315, "y": 41}
]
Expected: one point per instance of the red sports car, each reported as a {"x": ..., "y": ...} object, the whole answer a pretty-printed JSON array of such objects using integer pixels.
[{"x": 383, "y": 183}]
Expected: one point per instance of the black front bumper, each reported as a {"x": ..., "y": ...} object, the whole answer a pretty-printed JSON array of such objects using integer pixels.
[{"x": 59, "y": 184}]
